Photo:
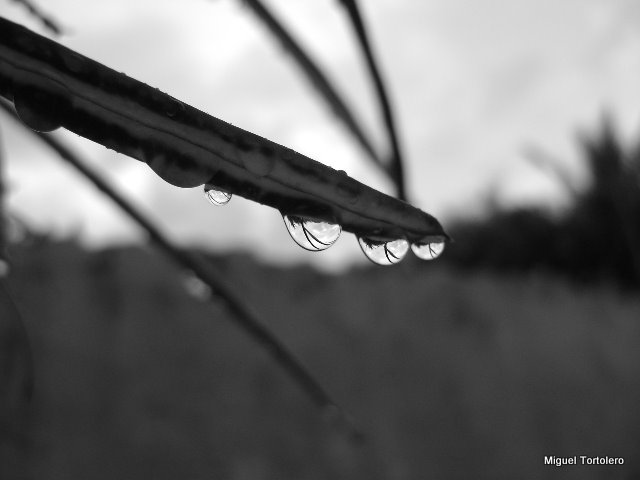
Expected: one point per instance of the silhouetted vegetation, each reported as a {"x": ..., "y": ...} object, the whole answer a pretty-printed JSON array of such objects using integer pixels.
[{"x": 597, "y": 239}]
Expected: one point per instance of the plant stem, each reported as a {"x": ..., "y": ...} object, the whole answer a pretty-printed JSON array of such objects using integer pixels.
[
  {"x": 317, "y": 78},
  {"x": 57, "y": 87},
  {"x": 395, "y": 167}
]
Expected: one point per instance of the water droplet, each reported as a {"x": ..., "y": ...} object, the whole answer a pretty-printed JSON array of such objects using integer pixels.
[
  {"x": 312, "y": 235},
  {"x": 384, "y": 253},
  {"x": 216, "y": 196},
  {"x": 39, "y": 109},
  {"x": 174, "y": 107},
  {"x": 179, "y": 170},
  {"x": 430, "y": 248}
]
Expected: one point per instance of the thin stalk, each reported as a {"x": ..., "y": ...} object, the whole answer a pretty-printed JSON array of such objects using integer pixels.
[
  {"x": 16, "y": 354},
  {"x": 48, "y": 22},
  {"x": 317, "y": 78},
  {"x": 240, "y": 312},
  {"x": 395, "y": 167}
]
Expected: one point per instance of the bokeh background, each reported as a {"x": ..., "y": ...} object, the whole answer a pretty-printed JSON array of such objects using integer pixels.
[{"x": 519, "y": 122}]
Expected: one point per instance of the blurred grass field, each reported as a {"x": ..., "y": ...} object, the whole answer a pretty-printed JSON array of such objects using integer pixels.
[{"x": 452, "y": 374}]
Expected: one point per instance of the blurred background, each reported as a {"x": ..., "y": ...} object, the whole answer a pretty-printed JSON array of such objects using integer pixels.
[{"x": 519, "y": 122}]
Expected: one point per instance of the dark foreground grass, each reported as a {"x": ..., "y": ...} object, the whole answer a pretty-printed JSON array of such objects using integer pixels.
[{"x": 452, "y": 375}]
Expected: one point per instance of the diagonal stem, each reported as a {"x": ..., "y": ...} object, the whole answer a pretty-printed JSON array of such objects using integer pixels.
[
  {"x": 242, "y": 314},
  {"x": 16, "y": 354},
  {"x": 395, "y": 168},
  {"x": 53, "y": 86},
  {"x": 317, "y": 78},
  {"x": 45, "y": 19}
]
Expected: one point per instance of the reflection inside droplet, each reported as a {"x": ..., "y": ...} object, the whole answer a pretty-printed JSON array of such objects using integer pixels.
[
  {"x": 216, "y": 196},
  {"x": 429, "y": 249},
  {"x": 384, "y": 253},
  {"x": 312, "y": 235}
]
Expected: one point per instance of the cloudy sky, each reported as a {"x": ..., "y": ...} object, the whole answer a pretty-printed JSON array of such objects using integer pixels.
[{"x": 474, "y": 85}]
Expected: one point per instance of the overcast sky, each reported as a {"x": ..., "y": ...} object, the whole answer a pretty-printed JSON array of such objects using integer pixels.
[{"x": 473, "y": 83}]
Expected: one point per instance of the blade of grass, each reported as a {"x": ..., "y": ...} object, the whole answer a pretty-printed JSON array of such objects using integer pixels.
[
  {"x": 187, "y": 147},
  {"x": 16, "y": 357},
  {"x": 241, "y": 313},
  {"x": 317, "y": 78},
  {"x": 396, "y": 165}
]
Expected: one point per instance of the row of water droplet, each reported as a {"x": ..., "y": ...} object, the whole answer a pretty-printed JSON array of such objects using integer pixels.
[
  {"x": 40, "y": 111},
  {"x": 315, "y": 236}
]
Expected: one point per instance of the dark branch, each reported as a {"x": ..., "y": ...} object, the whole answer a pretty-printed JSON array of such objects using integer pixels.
[
  {"x": 53, "y": 86},
  {"x": 242, "y": 314},
  {"x": 396, "y": 165}
]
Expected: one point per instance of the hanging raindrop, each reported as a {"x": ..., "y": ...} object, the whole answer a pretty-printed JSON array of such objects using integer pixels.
[
  {"x": 429, "y": 249},
  {"x": 311, "y": 235},
  {"x": 384, "y": 253},
  {"x": 215, "y": 196},
  {"x": 39, "y": 109},
  {"x": 174, "y": 108}
]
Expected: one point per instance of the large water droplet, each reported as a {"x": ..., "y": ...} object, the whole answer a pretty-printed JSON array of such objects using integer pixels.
[
  {"x": 179, "y": 170},
  {"x": 384, "y": 253},
  {"x": 216, "y": 196},
  {"x": 311, "y": 235},
  {"x": 39, "y": 109},
  {"x": 430, "y": 248}
]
